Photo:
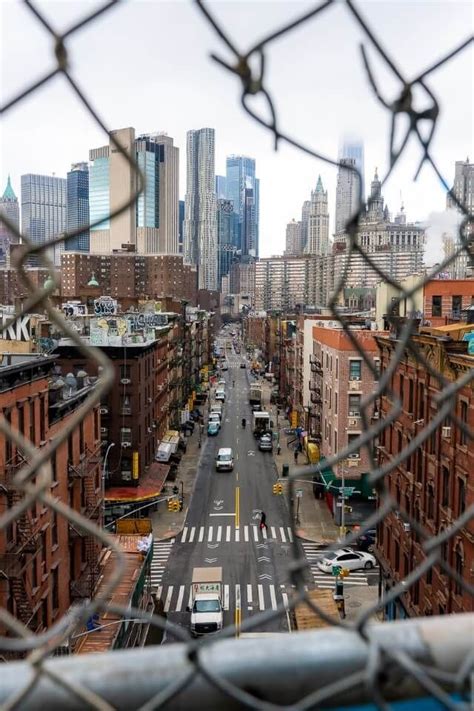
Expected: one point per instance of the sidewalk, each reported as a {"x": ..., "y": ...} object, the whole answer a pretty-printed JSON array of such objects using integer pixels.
[
  {"x": 315, "y": 520},
  {"x": 167, "y": 524}
]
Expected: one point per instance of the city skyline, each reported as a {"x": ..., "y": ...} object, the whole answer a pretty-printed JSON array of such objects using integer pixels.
[{"x": 280, "y": 199}]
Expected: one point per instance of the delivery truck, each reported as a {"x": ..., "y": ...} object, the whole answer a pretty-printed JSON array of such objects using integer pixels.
[
  {"x": 256, "y": 397},
  {"x": 261, "y": 423},
  {"x": 207, "y": 614}
]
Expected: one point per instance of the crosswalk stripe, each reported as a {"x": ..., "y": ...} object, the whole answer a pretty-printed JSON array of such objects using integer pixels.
[
  {"x": 282, "y": 533},
  {"x": 201, "y": 534},
  {"x": 219, "y": 534},
  {"x": 237, "y": 597},
  {"x": 274, "y": 535},
  {"x": 227, "y": 535},
  {"x": 261, "y": 601},
  {"x": 264, "y": 533},
  {"x": 290, "y": 535},
  {"x": 209, "y": 534},
  {"x": 180, "y": 598},
  {"x": 285, "y": 600},
  {"x": 273, "y": 597},
  {"x": 249, "y": 594},
  {"x": 246, "y": 533},
  {"x": 168, "y": 599},
  {"x": 185, "y": 533},
  {"x": 158, "y": 592},
  {"x": 191, "y": 535},
  {"x": 190, "y": 599},
  {"x": 237, "y": 535},
  {"x": 255, "y": 533},
  {"x": 226, "y": 597}
]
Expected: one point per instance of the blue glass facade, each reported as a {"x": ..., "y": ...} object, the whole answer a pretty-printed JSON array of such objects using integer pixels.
[
  {"x": 99, "y": 195},
  {"x": 226, "y": 225},
  {"x": 148, "y": 203},
  {"x": 78, "y": 208},
  {"x": 240, "y": 178}
]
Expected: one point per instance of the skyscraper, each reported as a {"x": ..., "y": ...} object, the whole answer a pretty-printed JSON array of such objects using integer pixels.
[
  {"x": 354, "y": 148},
  {"x": 305, "y": 210},
  {"x": 152, "y": 224},
  {"x": 243, "y": 188},
  {"x": 221, "y": 187},
  {"x": 318, "y": 222},
  {"x": 78, "y": 207},
  {"x": 10, "y": 208},
  {"x": 200, "y": 223},
  {"x": 347, "y": 193},
  {"x": 463, "y": 188},
  {"x": 181, "y": 227},
  {"x": 43, "y": 211},
  {"x": 226, "y": 219},
  {"x": 294, "y": 244}
]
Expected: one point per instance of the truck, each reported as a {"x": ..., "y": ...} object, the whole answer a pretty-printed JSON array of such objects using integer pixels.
[
  {"x": 207, "y": 613},
  {"x": 256, "y": 396},
  {"x": 261, "y": 423}
]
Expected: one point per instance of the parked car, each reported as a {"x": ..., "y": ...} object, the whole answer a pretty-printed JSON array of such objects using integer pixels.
[
  {"x": 221, "y": 382},
  {"x": 225, "y": 366},
  {"x": 213, "y": 429},
  {"x": 366, "y": 542},
  {"x": 220, "y": 395},
  {"x": 347, "y": 558},
  {"x": 215, "y": 417},
  {"x": 265, "y": 443}
]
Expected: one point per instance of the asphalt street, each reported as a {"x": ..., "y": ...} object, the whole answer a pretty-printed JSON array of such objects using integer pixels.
[{"x": 222, "y": 523}]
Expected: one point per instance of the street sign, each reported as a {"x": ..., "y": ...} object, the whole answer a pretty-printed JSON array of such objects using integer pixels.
[
  {"x": 299, "y": 493},
  {"x": 336, "y": 570},
  {"x": 348, "y": 490}
]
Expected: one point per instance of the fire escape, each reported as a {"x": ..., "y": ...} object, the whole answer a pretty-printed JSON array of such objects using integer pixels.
[
  {"x": 23, "y": 547},
  {"x": 85, "y": 471},
  {"x": 315, "y": 385}
]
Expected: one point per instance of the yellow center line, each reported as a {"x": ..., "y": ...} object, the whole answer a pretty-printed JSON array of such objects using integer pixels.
[
  {"x": 237, "y": 507},
  {"x": 237, "y": 621}
]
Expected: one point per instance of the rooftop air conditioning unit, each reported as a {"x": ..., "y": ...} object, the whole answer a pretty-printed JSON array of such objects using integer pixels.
[
  {"x": 125, "y": 381},
  {"x": 446, "y": 432}
]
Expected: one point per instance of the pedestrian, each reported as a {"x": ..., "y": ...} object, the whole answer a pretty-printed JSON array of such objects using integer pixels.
[
  {"x": 296, "y": 456},
  {"x": 263, "y": 520},
  {"x": 279, "y": 448}
]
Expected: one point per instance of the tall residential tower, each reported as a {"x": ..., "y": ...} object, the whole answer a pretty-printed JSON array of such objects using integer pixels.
[
  {"x": 200, "y": 222},
  {"x": 43, "y": 211}
]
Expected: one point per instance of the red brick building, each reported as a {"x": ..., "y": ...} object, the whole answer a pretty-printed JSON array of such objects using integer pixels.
[
  {"x": 435, "y": 485},
  {"x": 46, "y": 562},
  {"x": 444, "y": 300}
]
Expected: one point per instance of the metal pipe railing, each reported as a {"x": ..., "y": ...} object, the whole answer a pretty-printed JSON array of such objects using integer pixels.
[{"x": 278, "y": 669}]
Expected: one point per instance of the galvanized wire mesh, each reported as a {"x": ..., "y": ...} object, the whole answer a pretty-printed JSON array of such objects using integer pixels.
[{"x": 35, "y": 477}]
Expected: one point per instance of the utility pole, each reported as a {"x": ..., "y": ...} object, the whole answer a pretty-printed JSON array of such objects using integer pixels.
[{"x": 342, "y": 531}]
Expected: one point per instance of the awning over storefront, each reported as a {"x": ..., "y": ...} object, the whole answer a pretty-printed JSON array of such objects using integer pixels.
[{"x": 150, "y": 486}]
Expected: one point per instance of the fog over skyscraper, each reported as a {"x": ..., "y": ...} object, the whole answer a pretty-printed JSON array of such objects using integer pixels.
[
  {"x": 347, "y": 193},
  {"x": 354, "y": 148},
  {"x": 200, "y": 222}
]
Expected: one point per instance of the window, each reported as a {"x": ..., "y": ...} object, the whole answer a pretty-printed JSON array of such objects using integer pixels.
[
  {"x": 429, "y": 576},
  {"x": 406, "y": 565},
  {"x": 461, "y": 496},
  {"x": 21, "y": 419},
  {"x": 399, "y": 441},
  {"x": 463, "y": 415},
  {"x": 32, "y": 423},
  {"x": 126, "y": 407},
  {"x": 350, "y": 440},
  {"x": 335, "y": 403},
  {"x": 42, "y": 420},
  {"x": 459, "y": 565},
  {"x": 96, "y": 424},
  {"x": 335, "y": 442},
  {"x": 397, "y": 557},
  {"x": 457, "y": 305},
  {"x": 430, "y": 502},
  {"x": 436, "y": 305},
  {"x": 376, "y": 368},
  {"x": 355, "y": 369},
  {"x": 421, "y": 401},
  {"x": 124, "y": 372},
  {"x": 354, "y": 405},
  {"x": 445, "y": 486},
  {"x": 81, "y": 438},
  {"x": 416, "y": 593},
  {"x": 126, "y": 435},
  {"x": 401, "y": 385},
  {"x": 337, "y": 367},
  {"x": 410, "y": 395},
  {"x": 56, "y": 589}
]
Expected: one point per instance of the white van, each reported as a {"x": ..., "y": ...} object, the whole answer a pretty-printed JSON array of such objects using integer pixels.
[{"x": 225, "y": 459}]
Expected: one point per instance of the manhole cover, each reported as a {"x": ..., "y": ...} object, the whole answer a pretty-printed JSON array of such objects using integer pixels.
[{"x": 354, "y": 603}]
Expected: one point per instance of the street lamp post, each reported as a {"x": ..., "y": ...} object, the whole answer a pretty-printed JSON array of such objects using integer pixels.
[{"x": 104, "y": 471}]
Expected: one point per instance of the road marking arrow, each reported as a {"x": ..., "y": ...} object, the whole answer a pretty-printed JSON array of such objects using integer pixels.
[
  {"x": 251, "y": 453},
  {"x": 263, "y": 557},
  {"x": 261, "y": 545},
  {"x": 210, "y": 560},
  {"x": 218, "y": 502},
  {"x": 218, "y": 508},
  {"x": 213, "y": 545},
  {"x": 265, "y": 576}
]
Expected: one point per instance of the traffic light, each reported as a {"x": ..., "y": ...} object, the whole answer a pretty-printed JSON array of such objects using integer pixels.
[
  {"x": 278, "y": 488},
  {"x": 344, "y": 572},
  {"x": 173, "y": 505}
]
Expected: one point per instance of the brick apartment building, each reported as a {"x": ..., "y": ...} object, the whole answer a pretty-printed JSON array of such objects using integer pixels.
[
  {"x": 12, "y": 288},
  {"x": 435, "y": 485},
  {"x": 126, "y": 275},
  {"x": 444, "y": 300},
  {"x": 45, "y": 562},
  {"x": 340, "y": 382}
]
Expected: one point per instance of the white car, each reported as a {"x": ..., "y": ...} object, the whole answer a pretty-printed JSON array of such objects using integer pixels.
[
  {"x": 220, "y": 395},
  {"x": 222, "y": 382},
  {"x": 347, "y": 558},
  {"x": 215, "y": 417}
]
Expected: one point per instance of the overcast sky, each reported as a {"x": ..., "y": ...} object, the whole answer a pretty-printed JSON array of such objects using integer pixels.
[{"x": 147, "y": 65}]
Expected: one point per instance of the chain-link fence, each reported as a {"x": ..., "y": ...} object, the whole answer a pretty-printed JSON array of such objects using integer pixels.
[{"x": 351, "y": 663}]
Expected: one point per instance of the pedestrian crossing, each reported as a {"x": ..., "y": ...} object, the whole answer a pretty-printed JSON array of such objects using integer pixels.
[
  {"x": 327, "y": 581},
  {"x": 161, "y": 552},
  {"x": 231, "y": 534},
  {"x": 250, "y": 597}
]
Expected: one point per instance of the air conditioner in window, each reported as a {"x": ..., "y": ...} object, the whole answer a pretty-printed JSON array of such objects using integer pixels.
[
  {"x": 353, "y": 461},
  {"x": 104, "y": 410},
  {"x": 353, "y": 422},
  {"x": 125, "y": 445},
  {"x": 354, "y": 455},
  {"x": 354, "y": 385},
  {"x": 150, "y": 400},
  {"x": 354, "y": 413},
  {"x": 125, "y": 381},
  {"x": 376, "y": 415},
  {"x": 446, "y": 432},
  {"x": 103, "y": 430},
  {"x": 406, "y": 527}
]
